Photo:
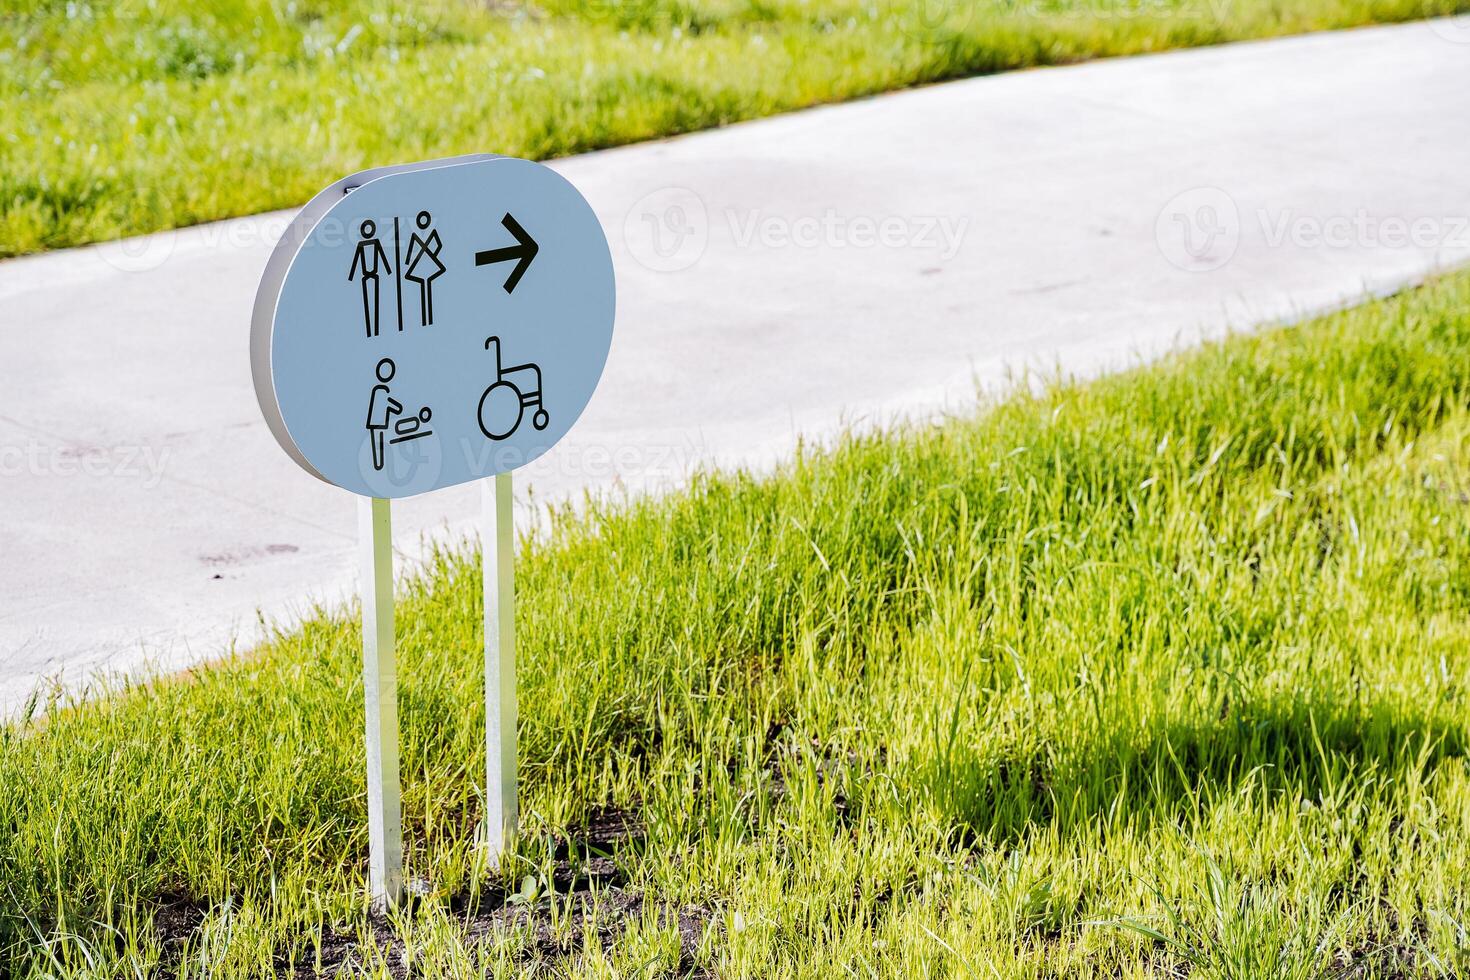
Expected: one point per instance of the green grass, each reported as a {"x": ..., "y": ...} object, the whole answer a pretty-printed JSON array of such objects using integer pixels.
[
  {"x": 1161, "y": 673},
  {"x": 137, "y": 115}
]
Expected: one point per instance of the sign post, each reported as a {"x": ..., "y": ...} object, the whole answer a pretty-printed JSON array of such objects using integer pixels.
[
  {"x": 419, "y": 327},
  {"x": 380, "y": 686},
  {"x": 498, "y": 556}
]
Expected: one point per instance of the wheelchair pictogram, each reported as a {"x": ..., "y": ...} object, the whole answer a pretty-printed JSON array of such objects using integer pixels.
[{"x": 503, "y": 404}]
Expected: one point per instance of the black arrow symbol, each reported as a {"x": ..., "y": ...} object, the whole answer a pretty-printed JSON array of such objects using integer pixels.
[{"x": 525, "y": 250}]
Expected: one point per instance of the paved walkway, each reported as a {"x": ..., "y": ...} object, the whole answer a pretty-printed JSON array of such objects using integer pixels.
[{"x": 776, "y": 278}]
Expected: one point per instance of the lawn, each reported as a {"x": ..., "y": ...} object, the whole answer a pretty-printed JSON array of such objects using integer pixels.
[
  {"x": 130, "y": 116},
  {"x": 1156, "y": 675}
]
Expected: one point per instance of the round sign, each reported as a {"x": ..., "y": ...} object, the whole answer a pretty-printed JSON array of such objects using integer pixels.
[{"x": 427, "y": 325}]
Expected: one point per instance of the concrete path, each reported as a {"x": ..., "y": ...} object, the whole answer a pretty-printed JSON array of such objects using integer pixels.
[{"x": 783, "y": 277}]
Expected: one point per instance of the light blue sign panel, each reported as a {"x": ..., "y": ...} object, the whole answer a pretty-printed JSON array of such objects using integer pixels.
[{"x": 424, "y": 326}]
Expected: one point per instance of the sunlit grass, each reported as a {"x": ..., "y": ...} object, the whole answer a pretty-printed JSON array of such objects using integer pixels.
[
  {"x": 138, "y": 115},
  {"x": 1159, "y": 673}
]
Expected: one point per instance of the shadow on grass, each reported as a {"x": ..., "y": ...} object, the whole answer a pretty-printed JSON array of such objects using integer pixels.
[{"x": 1177, "y": 771}]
